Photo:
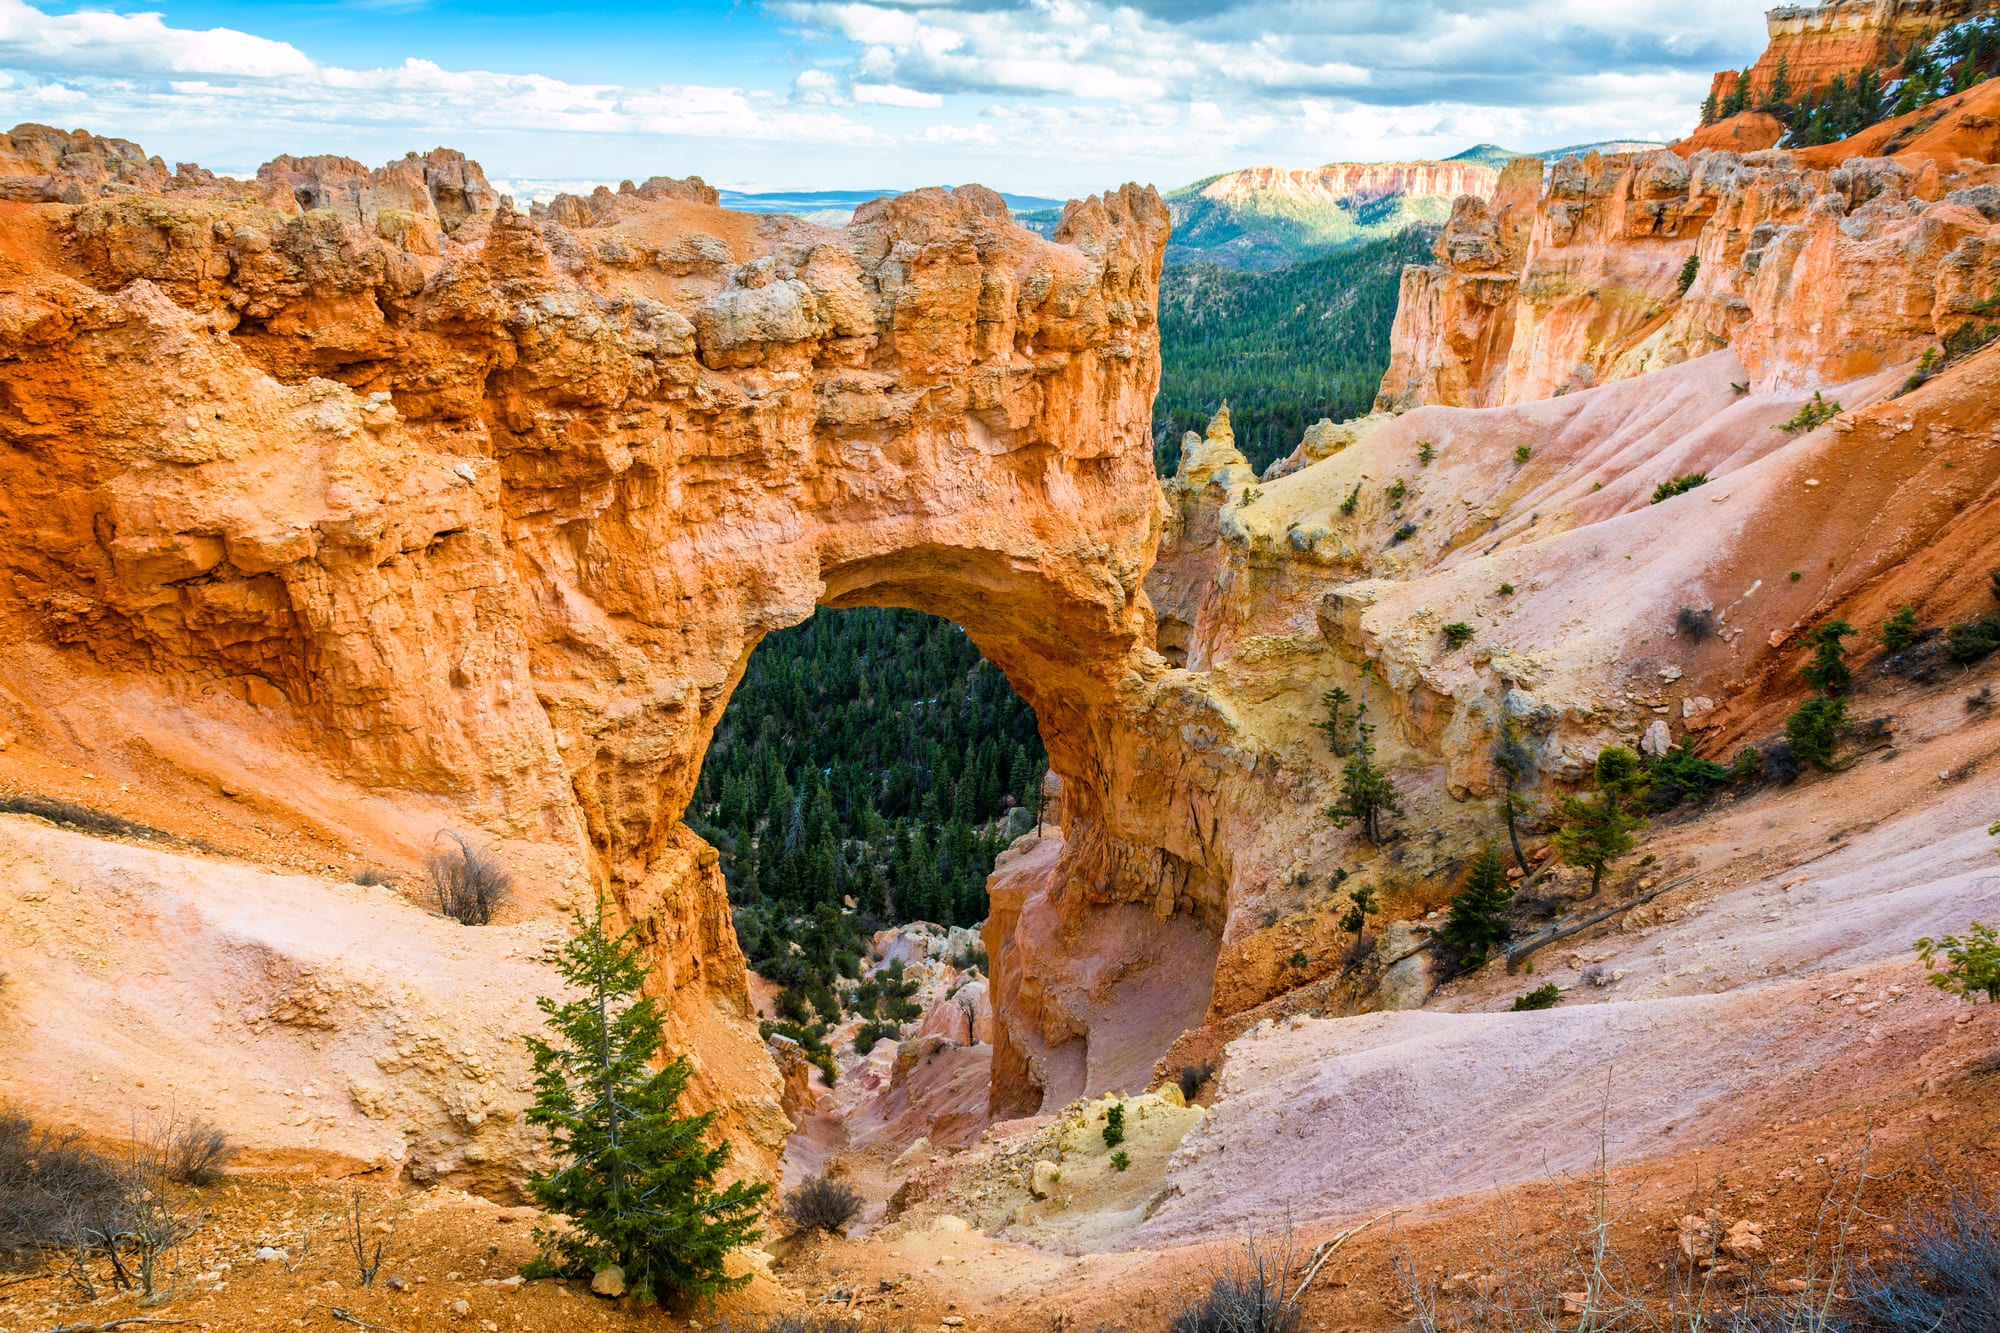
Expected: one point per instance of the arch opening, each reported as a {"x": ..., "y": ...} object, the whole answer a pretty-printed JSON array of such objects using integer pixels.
[{"x": 869, "y": 767}]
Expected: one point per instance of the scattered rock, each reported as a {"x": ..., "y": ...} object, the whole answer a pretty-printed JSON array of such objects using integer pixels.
[{"x": 609, "y": 1282}]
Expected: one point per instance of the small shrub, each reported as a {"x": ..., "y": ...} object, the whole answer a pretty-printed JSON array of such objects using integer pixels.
[
  {"x": 1814, "y": 729},
  {"x": 1506, "y": 590},
  {"x": 1945, "y": 1276},
  {"x": 1968, "y": 642},
  {"x": 55, "y": 1194},
  {"x": 1971, "y": 966},
  {"x": 1927, "y": 366},
  {"x": 820, "y": 1204},
  {"x": 1299, "y": 959},
  {"x": 1900, "y": 630},
  {"x": 192, "y": 1151},
  {"x": 1426, "y": 451},
  {"x": 1680, "y": 485},
  {"x": 1794, "y": 576},
  {"x": 1352, "y": 502},
  {"x": 1114, "y": 1125},
  {"x": 1690, "y": 270},
  {"x": 1747, "y": 766},
  {"x": 355, "y": 1236},
  {"x": 1828, "y": 669},
  {"x": 1403, "y": 534},
  {"x": 1192, "y": 1077},
  {"x": 1248, "y": 1293},
  {"x": 1360, "y": 902},
  {"x": 1541, "y": 997},
  {"x": 1694, "y": 623},
  {"x": 1458, "y": 634},
  {"x": 467, "y": 884},
  {"x": 1682, "y": 775},
  {"x": 1816, "y": 412},
  {"x": 1120, "y": 1160},
  {"x": 1397, "y": 489},
  {"x": 369, "y": 877},
  {"x": 1523, "y": 452}
]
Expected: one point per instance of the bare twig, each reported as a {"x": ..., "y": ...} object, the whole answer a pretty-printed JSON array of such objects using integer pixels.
[
  {"x": 113, "y": 1323},
  {"x": 346, "y": 1318},
  {"x": 1327, "y": 1247}
]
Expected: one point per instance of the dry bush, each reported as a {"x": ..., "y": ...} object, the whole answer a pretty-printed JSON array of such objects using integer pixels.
[
  {"x": 1254, "y": 1289},
  {"x": 1193, "y": 1076},
  {"x": 1945, "y": 1277},
  {"x": 355, "y": 1234},
  {"x": 821, "y": 1204},
  {"x": 467, "y": 884},
  {"x": 369, "y": 877},
  {"x": 192, "y": 1151},
  {"x": 52, "y": 1189}
]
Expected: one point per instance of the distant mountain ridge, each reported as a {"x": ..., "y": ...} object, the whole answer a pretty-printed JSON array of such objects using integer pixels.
[{"x": 1493, "y": 155}]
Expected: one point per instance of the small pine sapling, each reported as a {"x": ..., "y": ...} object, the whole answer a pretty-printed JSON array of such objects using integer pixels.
[
  {"x": 1426, "y": 451},
  {"x": 634, "y": 1176},
  {"x": 1523, "y": 452},
  {"x": 1515, "y": 764},
  {"x": 1352, "y": 502},
  {"x": 1360, "y": 902},
  {"x": 1596, "y": 833},
  {"x": 1541, "y": 997},
  {"x": 1366, "y": 793},
  {"x": 1814, "y": 729},
  {"x": 1458, "y": 634},
  {"x": 1828, "y": 669},
  {"x": 1114, "y": 1121},
  {"x": 1478, "y": 921},
  {"x": 1120, "y": 1160},
  {"x": 1340, "y": 721},
  {"x": 1900, "y": 630}
]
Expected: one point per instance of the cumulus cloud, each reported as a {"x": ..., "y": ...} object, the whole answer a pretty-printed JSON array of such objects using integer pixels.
[
  {"x": 1039, "y": 95},
  {"x": 136, "y": 67},
  {"x": 1521, "y": 53}
]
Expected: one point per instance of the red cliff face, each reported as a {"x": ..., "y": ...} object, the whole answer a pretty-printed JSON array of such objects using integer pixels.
[{"x": 1840, "y": 38}]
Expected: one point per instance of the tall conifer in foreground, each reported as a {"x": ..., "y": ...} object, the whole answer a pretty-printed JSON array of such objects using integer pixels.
[{"x": 633, "y": 1176}]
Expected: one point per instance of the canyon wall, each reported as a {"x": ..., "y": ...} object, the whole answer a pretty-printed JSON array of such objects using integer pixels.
[
  {"x": 417, "y": 503},
  {"x": 1840, "y": 38},
  {"x": 1813, "y": 274}
]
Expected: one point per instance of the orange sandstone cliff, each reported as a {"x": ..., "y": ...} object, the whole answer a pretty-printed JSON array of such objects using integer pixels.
[{"x": 360, "y": 499}]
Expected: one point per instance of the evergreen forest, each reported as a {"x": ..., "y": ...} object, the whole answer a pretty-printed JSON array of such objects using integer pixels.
[{"x": 1285, "y": 347}]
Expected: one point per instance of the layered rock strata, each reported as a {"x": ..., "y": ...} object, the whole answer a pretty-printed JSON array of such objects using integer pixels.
[{"x": 485, "y": 512}]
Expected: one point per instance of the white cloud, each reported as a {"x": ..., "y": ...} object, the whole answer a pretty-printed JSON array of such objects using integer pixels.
[
  {"x": 889, "y": 94},
  {"x": 97, "y": 42},
  {"x": 120, "y": 64}
]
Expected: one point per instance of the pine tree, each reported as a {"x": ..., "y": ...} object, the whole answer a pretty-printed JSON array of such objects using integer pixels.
[
  {"x": 1596, "y": 833},
  {"x": 1339, "y": 724},
  {"x": 1828, "y": 669},
  {"x": 1478, "y": 920},
  {"x": 1515, "y": 764},
  {"x": 1366, "y": 794},
  {"x": 1900, "y": 630},
  {"x": 634, "y": 1177}
]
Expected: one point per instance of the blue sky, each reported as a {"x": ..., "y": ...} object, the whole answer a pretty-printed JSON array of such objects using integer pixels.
[{"x": 1055, "y": 97}]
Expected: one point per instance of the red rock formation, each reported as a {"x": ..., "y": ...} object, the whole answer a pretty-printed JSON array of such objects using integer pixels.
[
  {"x": 486, "y": 512},
  {"x": 1747, "y": 132},
  {"x": 1840, "y": 38}
]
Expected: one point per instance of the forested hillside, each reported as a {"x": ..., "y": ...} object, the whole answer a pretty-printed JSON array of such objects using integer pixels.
[
  {"x": 1285, "y": 347},
  {"x": 870, "y": 756}
]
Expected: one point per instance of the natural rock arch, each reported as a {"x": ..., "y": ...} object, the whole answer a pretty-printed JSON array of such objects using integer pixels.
[{"x": 448, "y": 499}]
